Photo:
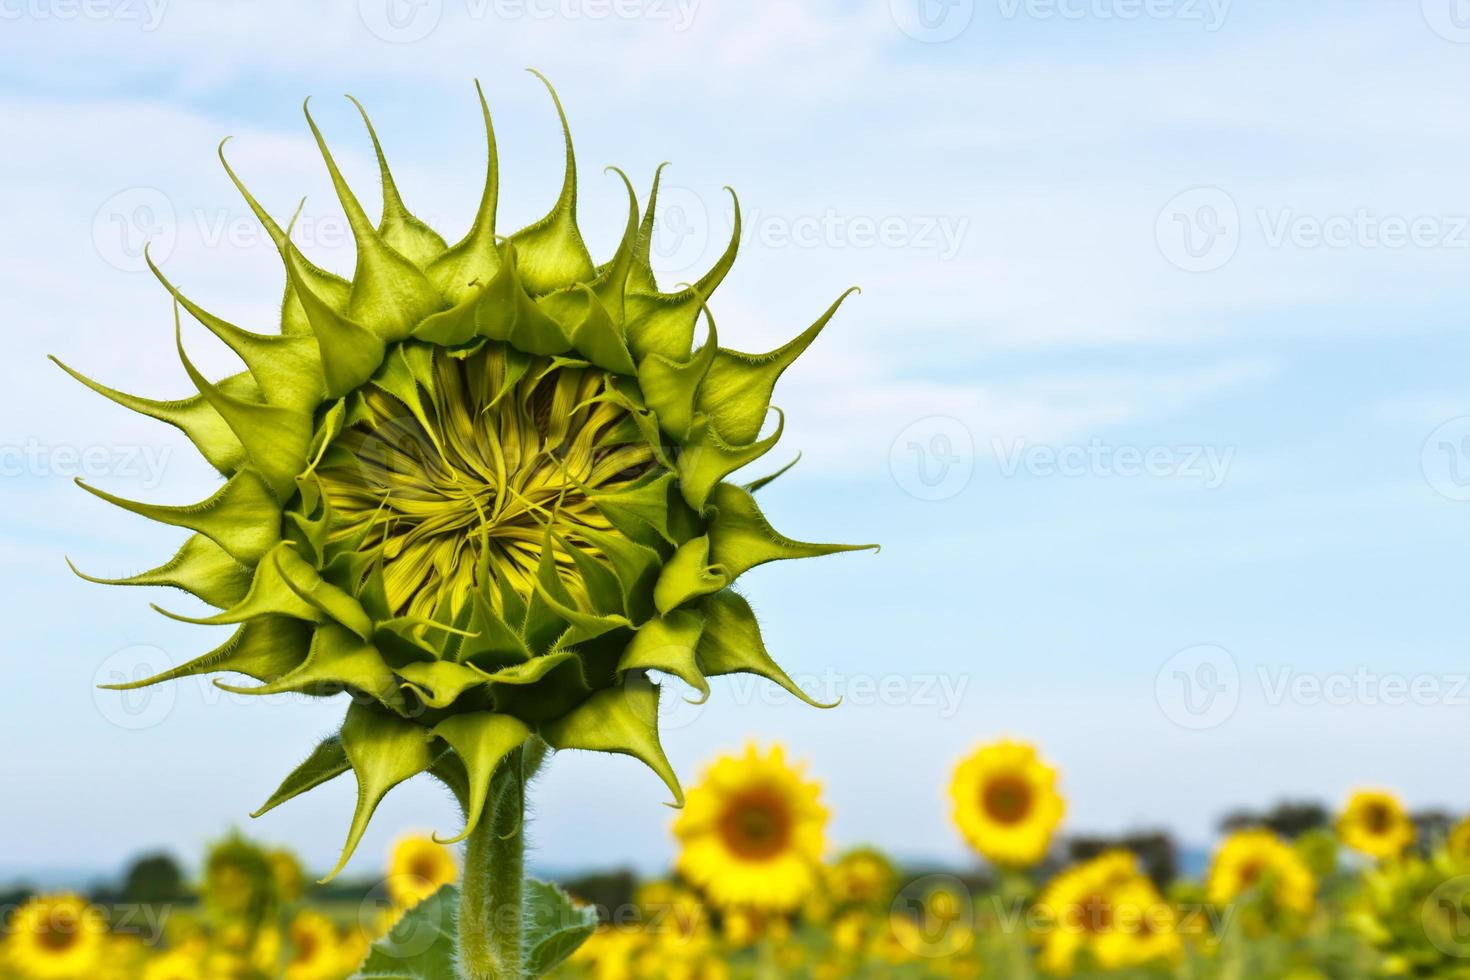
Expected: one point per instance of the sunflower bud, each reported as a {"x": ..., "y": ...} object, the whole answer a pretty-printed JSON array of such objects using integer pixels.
[{"x": 482, "y": 488}]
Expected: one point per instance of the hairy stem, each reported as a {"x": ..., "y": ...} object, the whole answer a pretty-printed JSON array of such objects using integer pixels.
[{"x": 490, "y": 903}]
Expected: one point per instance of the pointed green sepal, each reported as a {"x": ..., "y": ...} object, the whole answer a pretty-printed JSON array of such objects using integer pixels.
[
  {"x": 399, "y": 229},
  {"x": 741, "y": 537},
  {"x": 688, "y": 575},
  {"x": 194, "y": 417},
  {"x": 736, "y": 392},
  {"x": 200, "y": 568},
  {"x": 621, "y": 720},
  {"x": 732, "y": 644},
  {"x": 338, "y": 661},
  {"x": 707, "y": 459},
  {"x": 552, "y": 254},
  {"x": 481, "y": 739},
  {"x": 668, "y": 645},
  {"x": 263, "y": 649},
  {"x": 384, "y": 751},
  {"x": 474, "y": 260},
  {"x": 670, "y": 387},
  {"x": 277, "y": 440},
  {"x": 326, "y": 762},
  {"x": 242, "y": 517}
]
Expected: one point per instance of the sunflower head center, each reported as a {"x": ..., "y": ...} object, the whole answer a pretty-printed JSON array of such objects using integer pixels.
[
  {"x": 458, "y": 477},
  {"x": 1007, "y": 799},
  {"x": 756, "y": 826},
  {"x": 1376, "y": 818},
  {"x": 57, "y": 937}
]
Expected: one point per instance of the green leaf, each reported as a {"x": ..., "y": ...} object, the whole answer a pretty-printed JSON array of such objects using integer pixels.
[
  {"x": 420, "y": 946},
  {"x": 555, "y": 926}
]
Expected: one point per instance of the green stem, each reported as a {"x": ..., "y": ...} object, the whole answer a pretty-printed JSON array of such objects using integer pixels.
[{"x": 490, "y": 904}]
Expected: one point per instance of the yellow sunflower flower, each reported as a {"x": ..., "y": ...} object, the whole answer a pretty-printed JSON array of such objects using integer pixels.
[
  {"x": 56, "y": 936},
  {"x": 752, "y": 833},
  {"x": 1260, "y": 860},
  {"x": 1142, "y": 930},
  {"x": 417, "y": 868},
  {"x": 1375, "y": 824},
  {"x": 315, "y": 952},
  {"x": 1078, "y": 908},
  {"x": 287, "y": 874},
  {"x": 1006, "y": 803},
  {"x": 862, "y": 877}
]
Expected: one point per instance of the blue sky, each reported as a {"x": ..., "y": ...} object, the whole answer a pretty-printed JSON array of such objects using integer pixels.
[{"x": 1156, "y": 380}]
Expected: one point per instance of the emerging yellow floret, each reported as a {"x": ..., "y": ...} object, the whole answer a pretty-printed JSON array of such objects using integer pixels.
[
  {"x": 1375, "y": 823},
  {"x": 752, "y": 832},
  {"x": 1006, "y": 803}
]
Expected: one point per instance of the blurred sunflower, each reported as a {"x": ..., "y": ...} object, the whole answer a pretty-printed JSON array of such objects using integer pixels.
[
  {"x": 1260, "y": 862},
  {"x": 286, "y": 873},
  {"x": 862, "y": 876},
  {"x": 1457, "y": 842},
  {"x": 1143, "y": 928},
  {"x": 1006, "y": 803},
  {"x": 1077, "y": 908},
  {"x": 1375, "y": 823},
  {"x": 751, "y": 833},
  {"x": 417, "y": 868},
  {"x": 610, "y": 952},
  {"x": 315, "y": 952},
  {"x": 56, "y": 936},
  {"x": 1416, "y": 914}
]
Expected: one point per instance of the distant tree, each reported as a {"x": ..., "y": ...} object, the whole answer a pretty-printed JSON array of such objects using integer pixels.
[
  {"x": 1432, "y": 827},
  {"x": 1290, "y": 819},
  {"x": 1155, "y": 851},
  {"x": 154, "y": 878},
  {"x": 611, "y": 892}
]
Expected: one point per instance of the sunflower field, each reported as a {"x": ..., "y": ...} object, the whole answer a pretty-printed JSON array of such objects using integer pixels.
[{"x": 759, "y": 890}]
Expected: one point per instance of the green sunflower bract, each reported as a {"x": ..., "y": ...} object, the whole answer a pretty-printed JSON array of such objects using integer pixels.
[{"x": 482, "y": 488}]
